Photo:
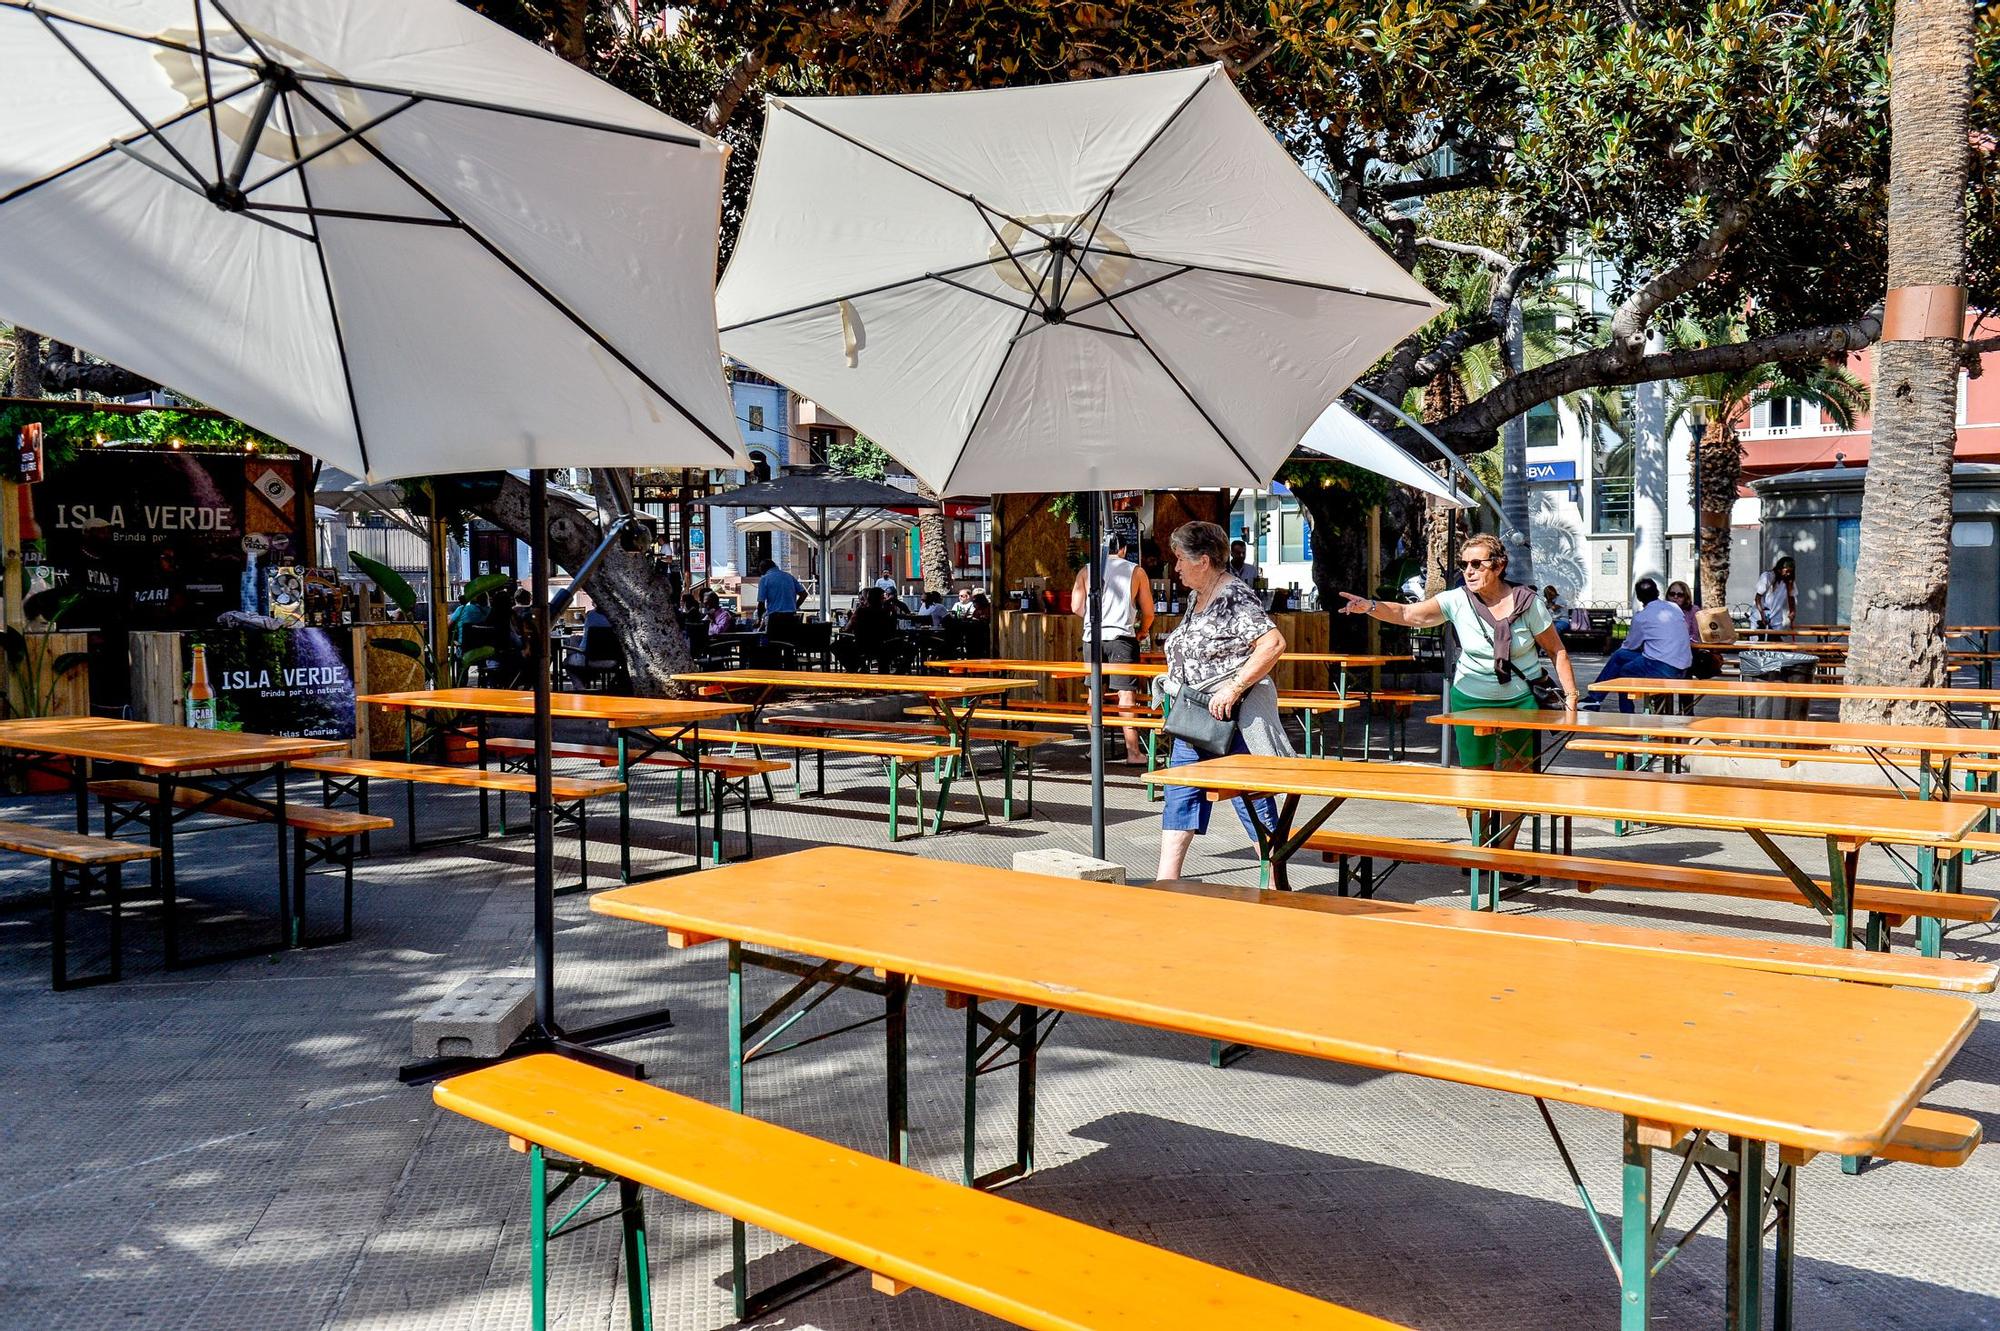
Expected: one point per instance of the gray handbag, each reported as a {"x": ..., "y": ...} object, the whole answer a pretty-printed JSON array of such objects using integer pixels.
[{"x": 1189, "y": 719}]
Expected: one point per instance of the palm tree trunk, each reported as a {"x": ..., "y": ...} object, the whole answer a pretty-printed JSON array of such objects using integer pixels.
[
  {"x": 1514, "y": 475},
  {"x": 933, "y": 556},
  {"x": 1899, "y": 585},
  {"x": 1719, "y": 459}
]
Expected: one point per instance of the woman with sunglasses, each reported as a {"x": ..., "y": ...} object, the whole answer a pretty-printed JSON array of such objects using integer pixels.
[{"x": 1486, "y": 611}]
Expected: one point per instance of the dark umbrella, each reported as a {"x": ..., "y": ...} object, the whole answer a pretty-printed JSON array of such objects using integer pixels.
[{"x": 818, "y": 491}]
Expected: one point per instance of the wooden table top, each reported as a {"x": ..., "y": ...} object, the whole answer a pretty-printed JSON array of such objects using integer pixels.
[
  {"x": 1758, "y": 688},
  {"x": 1779, "y": 1058},
  {"x": 1868, "y": 814},
  {"x": 617, "y": 711},
  {"x": 156, "y": 748},
  {"x": 935, "y": 686},
  {"x": 1806, "y": 648},
  {"x": 1739, "y": 729},
  {"x": 1064, "y": 668}
]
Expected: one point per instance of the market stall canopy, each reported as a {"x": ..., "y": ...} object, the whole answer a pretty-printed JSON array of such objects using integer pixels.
[
  {"x": 1340, "y": 434},
  {"x": 1112, "y": 282},
  {"x": 387, "y": 232}
]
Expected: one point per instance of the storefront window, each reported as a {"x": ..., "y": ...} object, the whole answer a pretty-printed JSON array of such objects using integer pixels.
[{"x": 1292, "y": 537}]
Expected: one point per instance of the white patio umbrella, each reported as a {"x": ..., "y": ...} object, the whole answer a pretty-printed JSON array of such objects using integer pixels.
[
  {"x": 1340, "y": 434},
  {"x": 1117, "y": 282},
  {"x": 386, "y": 232}
]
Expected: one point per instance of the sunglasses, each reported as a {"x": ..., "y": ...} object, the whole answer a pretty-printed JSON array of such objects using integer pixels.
[{"x": 1477, "y": 563}]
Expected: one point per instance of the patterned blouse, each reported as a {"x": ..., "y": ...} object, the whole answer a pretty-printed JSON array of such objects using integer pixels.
[{"x": 1212, "y": 643}]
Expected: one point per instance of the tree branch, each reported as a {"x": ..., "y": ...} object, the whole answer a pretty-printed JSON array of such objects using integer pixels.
[
  {"x": 1628, "y": 325},
  {"x": 732, "y": 92},
  {"x": 1397, "y": 190},
  {"x": 1471, "y": 429},
  {"x": 1491, "y": 257},
  {"x": 63, "y": 372}
]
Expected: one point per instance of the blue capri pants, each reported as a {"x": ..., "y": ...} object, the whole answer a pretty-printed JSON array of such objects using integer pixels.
[{"x": 1186, "y": 808}]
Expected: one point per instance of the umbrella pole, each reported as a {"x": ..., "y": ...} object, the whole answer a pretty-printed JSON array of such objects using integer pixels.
[
  {"x": 544, "y": 818},
  {"x": 825, "y": 572},
  {"x": 1094, "y": 648}
]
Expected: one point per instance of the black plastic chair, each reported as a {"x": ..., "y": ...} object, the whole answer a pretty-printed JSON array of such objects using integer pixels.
[{"x": 599, "y": 664}]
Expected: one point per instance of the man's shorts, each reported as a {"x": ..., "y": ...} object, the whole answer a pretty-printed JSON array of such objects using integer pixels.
[{"x": 1119, "y": 651}]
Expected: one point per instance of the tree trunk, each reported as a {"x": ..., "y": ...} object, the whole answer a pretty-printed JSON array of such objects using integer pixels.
[
  {"x": 632, "y": 589},
  {"x": 933, "y": 556},
  {"x": 1442, "y": 396},
  {"x": 1339, "y": 559},
  {"x": 27, "y": 376},
  {"x": 1514, "y": 499},
  {"x": 1899, "y": 584},
  {"x": 1719, "y": 465}
]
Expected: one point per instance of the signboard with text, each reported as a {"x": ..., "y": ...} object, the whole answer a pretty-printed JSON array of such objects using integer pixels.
[{"x": 290, "y": 682}]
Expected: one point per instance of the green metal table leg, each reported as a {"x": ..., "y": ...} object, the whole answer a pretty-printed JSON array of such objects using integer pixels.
[
  {"x": 1841, "y": 884},
  {"x": 1306, "y": 720},
  {"x": 896, "y": 1038},
  {"x": 1744, "y": 1279},
  {"x": 1930, "y": 929},
  {"x": 895, "y": 799},
  {"x": 739, "y": 1274},
  {"x": 1636, "y": 1235},
  {"x": 1007, "y": 782},
  {"x": 638, "y": 1277},
  {"x": 1782, "y": 1261},
  {"x": 538, "y": 1239},
  {"x": 970, "y": 1097}
]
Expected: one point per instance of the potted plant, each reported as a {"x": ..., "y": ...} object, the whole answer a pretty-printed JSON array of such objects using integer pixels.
[
  {"x": 457, "y": 667},
  {"x": 35, "y": 670}
]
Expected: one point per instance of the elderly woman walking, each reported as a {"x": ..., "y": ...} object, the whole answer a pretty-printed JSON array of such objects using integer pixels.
[{"x": 1224, "y": 647}]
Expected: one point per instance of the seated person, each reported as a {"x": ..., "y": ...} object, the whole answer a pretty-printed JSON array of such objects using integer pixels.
[
  {"x": 872, "y": 631},
  {"x": 718, "y": 619},
  {"x": 1657, "y": 645}
]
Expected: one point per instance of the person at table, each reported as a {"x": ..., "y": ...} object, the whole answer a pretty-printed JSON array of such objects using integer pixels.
[
  {"x": 778, "y": 592},
  {"x": 1226, "y": 647},
  {"x": 1777, "y": 602},
  {"x": 1657, "y": 646},
  {"x": 469, "y": 610},
  {"x": 962, "y": 608},
  {"x": 1552, "y": 601},
  {"x": 887, "y": 584},
  {"x": 872, "y": 632},
  {"x": 714, "y": 616},
  {"x": 1241, "y": 567},
  {"x": 1126, "y": 616},
  {"x": 1486, "y": 611},
  {"x": 936, "y": 611}
]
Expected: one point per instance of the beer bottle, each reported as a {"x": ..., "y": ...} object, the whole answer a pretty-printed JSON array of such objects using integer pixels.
[{"x": 201, "y": 695}]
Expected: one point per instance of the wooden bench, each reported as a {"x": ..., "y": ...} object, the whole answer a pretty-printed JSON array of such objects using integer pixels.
[
  {"x": 1902, "y": 969},
  {"x": 1886, "y": 906},
  {"x": 901, "y": 757},
  {"x": 907, "y": 1229},
  {"x": 319, "y": 837},
  {"x": 79, "y": 865},
  {"x": 349, "y": 778},
  {"x": 1306, "y": 702},
  {"x": 1017, "y": 747},
  {"x": 1399, "y": 703},
  {"x": 1618, "y": 748}
]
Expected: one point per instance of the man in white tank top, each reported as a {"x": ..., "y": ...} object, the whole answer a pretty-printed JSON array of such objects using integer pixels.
[{"x": 1127, "y": 617}]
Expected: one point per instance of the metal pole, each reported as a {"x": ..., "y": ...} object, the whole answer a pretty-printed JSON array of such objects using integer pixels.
[
  {"x": 1697, "y": 518},
  {"x": 545, "y": 847},
  {"x": 1094, "y": 647}
]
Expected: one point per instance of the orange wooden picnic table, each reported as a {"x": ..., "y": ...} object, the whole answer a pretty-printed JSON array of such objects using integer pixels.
[
  {"x": 225, "y": 765},
  {"x": 1763, "y": 1059}
]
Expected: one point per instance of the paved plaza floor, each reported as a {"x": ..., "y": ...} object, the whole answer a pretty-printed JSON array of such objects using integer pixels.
[{"x": 227, "y": 1147}]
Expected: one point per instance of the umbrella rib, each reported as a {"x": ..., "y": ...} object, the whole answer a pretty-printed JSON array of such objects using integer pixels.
[
  {"x": 112, "y": 88},
  {"x": 1158, "y": 134},
  {"x": 985, "y": 295},
  {"x": 208, "y": 87},
  {"x": 243, "y": 32},
  {"x": 1333, "y": 287},
  {"x": 116, "y": 145},
  {"x": 984, "y": 402},
  {"x": 927, "y": 178},
  {"x": 110, "y": 31},
  {"x": 473, "y": 103},
  {"x": 1097, "y": 213},
  {"x": 125, "y": 147},
  {"x": 351, "y": 214},
  {"x": 347, "y": 136},
  {"x": 822, "y": 303},
  {"x": 1034, "y": 287},
  {"x": 332, "y": 303},
  {"x": 501, "y": 257},
  {"x": 1134, "y": 289},
  {"x": 1173, "y": 378}
]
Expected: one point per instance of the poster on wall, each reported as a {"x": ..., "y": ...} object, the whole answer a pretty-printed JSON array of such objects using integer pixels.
[
  {"x": 165, "y": 540},
  {"x": 293, "y": 682}
]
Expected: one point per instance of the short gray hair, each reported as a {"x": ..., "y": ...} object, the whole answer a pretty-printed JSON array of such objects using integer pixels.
[{"x": 1202, "y": 540}]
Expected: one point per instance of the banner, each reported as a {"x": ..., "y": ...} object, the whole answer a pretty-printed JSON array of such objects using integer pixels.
[
  {"x": 165, "y": 540},
  {"x": 291, "y": 682}
]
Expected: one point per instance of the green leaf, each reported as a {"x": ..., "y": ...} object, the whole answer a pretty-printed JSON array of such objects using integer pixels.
[
  {"x": 475, "y": 656},
  {"x": 67, "y": 662},
  {"x": 400, "y": 646},
  {"x": 392, "y": 583},
  {"x": 50, "y": 605},
  {"x": 487, "y": 582},
  {"x": 14, "y": 644}
]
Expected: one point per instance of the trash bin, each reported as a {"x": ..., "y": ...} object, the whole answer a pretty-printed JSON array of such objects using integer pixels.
[{"x": 1777, "y": 667}]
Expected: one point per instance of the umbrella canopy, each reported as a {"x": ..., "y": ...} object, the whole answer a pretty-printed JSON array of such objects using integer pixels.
[
  {"x": 1108, "y": 282},
  {"x": 821, "y": 506},
  {"x": 823, "y": 523},
  {"x": 387, "y": 232},
  {"x": 1340, "y": 434}
]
